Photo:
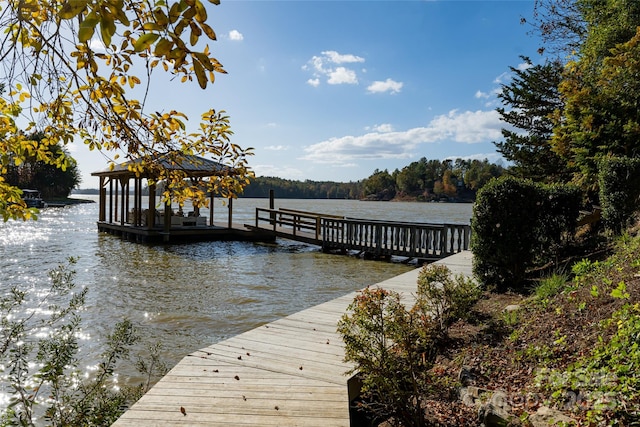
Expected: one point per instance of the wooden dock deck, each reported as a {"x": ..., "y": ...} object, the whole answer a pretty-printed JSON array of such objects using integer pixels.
[
  {"x": 286, "y": 373},
  {"x": 215, "y": 232}
]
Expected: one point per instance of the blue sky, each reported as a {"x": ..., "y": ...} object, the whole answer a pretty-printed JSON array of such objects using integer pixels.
[{"x": 332, "y": 90}]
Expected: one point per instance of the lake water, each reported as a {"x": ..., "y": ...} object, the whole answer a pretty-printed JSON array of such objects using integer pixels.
[{"x": 189, "y": 296}]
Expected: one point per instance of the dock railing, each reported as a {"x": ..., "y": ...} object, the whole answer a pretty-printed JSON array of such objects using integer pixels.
[
  {"x": 374, "y": 237},
  {"x": 384, "y": 238}
]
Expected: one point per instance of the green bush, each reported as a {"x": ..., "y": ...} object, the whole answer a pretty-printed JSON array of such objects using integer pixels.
[
  {"x": 518, "y": 224},
  {"x": 393, "y": 348},
  {"x": 619, "y": 179},
  {"x": 446, "y": 297}
]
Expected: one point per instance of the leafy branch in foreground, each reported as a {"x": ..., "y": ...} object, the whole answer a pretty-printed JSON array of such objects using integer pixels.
[
  {"x": 70, "y": 72},
  {"x": 39, "y": 359}
]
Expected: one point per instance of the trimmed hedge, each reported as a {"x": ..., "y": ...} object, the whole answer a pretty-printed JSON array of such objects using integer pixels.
[
  {"x": 619, "y": 179},
  {"x": 518, "y": 224}
]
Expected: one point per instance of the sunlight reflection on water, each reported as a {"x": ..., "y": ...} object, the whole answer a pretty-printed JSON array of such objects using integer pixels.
[{"x": 192, "y": 295}]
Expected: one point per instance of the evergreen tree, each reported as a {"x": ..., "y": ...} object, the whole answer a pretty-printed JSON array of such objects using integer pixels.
[{"x": 530, "y": 100}]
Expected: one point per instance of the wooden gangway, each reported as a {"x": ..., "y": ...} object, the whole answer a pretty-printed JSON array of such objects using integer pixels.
[
  {"x": 290, "y": 372},
  {"x": 374, "y": 238}
]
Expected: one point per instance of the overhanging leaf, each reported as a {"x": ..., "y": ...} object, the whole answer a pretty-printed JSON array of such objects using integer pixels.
[
  {"x": 144, "y": 41},
  {"x": 200, "y": 74},
  {"x": 72, "y": 8}
]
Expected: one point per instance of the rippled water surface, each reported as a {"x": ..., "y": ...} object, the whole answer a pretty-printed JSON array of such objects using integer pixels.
[{"x": 189, "y": 296}]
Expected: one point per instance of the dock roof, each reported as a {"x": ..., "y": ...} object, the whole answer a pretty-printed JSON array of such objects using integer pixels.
[{"x": 190, "y": 164}]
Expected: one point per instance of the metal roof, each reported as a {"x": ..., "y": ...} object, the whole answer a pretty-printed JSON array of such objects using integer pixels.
[{"x": 190, "y": 164}]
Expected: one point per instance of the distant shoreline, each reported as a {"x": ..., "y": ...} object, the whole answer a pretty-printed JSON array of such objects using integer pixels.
[{"x": 55, "y": 203}]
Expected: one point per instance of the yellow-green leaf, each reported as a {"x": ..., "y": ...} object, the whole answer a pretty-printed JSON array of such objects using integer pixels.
[
  {"x": 205, "y": 60},
  {"x": 88, "y": 26},
  {"x": 200, "y": 74},
  {"x": 208, "y": 31},
  {"x": 107, "y": 28},
  {"x": 160, "y": 17},
  {"x": 163, "y": 47},
  {"x": 72, "y": 8},
  {"x": 201, "y": 12},
  {"x": 152, "y": 26},
  {"x": 145, "y": 41}
]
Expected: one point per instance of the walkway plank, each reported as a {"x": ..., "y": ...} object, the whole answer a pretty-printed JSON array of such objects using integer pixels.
[{"x": 290, "y": 372}]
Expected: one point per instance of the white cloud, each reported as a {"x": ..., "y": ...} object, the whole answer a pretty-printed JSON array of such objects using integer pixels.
[
  {"x": 337, "y": 58},
  {"x": 524, "y": 66},
  {"x": 97, "y": 45},
  {"x": 386, "y": 86},
  {"x": 235, "y": 35},
  {"x": 482, "y": 95},
  {"x": 502, "y": 78},
  {"x": 463, "y": 127},
  {"x": 469, "y": 126},
  {"x": 383, "y": 128},
  {"x": 324, "y": 67},
  {"x": 342, "y": 75},
  {"x": 276, "y": 147},
  {"x": 285, "y": 172}
]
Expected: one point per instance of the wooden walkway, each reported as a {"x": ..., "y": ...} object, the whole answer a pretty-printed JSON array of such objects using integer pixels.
[
  {"x": 286, "y": 373},
  {"x": 373, "y": 238}
]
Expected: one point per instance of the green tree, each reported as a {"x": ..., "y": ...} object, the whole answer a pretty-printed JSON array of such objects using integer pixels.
[
  {"x": 599, "y": 87},
  {"x": 380, "y": 185},
  {"x": 411, "y": 179},
  {"x": 73, "y": 91},
  {"x": 530, "y": 101},
  {"x": 53, "y": 182},
  {"x": 481, "y": 172}
]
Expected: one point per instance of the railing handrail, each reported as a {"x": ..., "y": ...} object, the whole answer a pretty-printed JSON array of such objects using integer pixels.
[{"x": 319, "y": 215}]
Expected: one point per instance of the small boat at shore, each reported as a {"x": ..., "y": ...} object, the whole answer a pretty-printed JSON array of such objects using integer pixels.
[{"x": 33, "y": 199}]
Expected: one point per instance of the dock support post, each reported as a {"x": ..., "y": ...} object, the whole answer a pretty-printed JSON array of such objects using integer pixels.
[
  {"x": 272, "y": 205},
  {"x": 211, "y": 199},
  {"x": 102, "y": 215},
  {"x": 167, "y": 220},
  {"x": 230, "y": 212}
]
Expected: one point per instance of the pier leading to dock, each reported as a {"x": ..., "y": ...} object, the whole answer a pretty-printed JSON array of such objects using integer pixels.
[
  {"x": 372, "y": 238},
  {"x": 290, "y": 372}
]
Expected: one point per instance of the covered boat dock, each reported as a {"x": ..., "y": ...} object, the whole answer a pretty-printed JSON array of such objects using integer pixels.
[{"x": 122, "y": 212}]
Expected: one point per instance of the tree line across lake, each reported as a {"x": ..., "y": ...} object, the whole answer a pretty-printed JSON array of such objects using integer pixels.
[{"x": 423, "y": 180}]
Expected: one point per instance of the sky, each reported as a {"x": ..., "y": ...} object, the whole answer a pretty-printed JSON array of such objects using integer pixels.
[{"x": 332, "y": 90}]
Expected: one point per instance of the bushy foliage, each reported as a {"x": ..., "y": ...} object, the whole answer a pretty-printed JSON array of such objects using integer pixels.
[
  {"x": 619, "y": 180},
  {"x": 518, "y": 224},
  {"x": 446, "y": 297},
  {"x": 393, "y": 347},
  {"x": 39, "y": 358}
]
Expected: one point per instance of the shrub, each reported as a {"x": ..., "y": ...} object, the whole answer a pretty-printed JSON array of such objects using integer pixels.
[
  {"x": 446, "y": 297},
  {"x": 518, "y": 224},
  {"x": 619, "y": 180},
  {"x": 393, "y": 348}
]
